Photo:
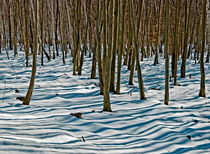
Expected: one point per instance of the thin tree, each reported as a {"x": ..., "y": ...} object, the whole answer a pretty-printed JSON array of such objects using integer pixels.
[
  {"x": 77, "y": 38},
  {"x": 15, "y": 26},
  {"x": 186, "y": 32},
  {"x": 175, "y": 44},
  {"x": 135, "y": 36},
  {"x": 27, "y": 99},
  {"x": 208, "y": 33},
  {"x": 166, "y": 98},
  {"x": 107, "y": 68},
  {"x": 98, "y": 38},
  {"x": 112, "y": 81},
  {"x": 202, "y": 84},
  {"x": 121, "y": 48},
  {"x": 88, "y": 3},
  {"x": 157, "y": 36}
]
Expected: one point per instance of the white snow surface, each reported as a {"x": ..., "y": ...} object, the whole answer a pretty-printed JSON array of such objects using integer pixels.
[{"x": 135, "y": 126}]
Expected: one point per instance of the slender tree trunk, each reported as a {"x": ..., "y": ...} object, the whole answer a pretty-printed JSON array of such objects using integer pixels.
[
  {"x": 112, "y": 81},
  {"x": 42, "y": 31},
  {"x": 157, "y": 36},
  {"x": 175, "y": 45},
  {"x": 26, "y": 9},
  {"x": 10, "y": 25},
  {"x": 135, "y": 36},
  {"x": 121, "y": 48},
  {"x": 166, "y": 98},
  {"x": 98, "y": 33},
  {"x": 85, "y": 39},
  {"x": 0, "y": 42},
  {"x": 197, "y": 42},
  {"x": 64, "y": 42},
  {"x": 52, "y": 27},
  {"x": 147, "y": 31},
  {"x": 56, "y": 28},
  {"x": 140, "y": 8},
  {"x": 15, "y": 27},
  {"x": 208, "y": 33},
  {"x": 27, "y": 99},
  {"x": 77, "y": 45},
  {"x": 202, "y": 85},
  {"x": 184, "y": 56},
  {"x": 93, "y": 70},
  {"x": 107, "y": 66}
]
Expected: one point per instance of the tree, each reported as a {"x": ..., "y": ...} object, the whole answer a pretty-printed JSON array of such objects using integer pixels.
[
  {"x": 15, "y": 26},
  {"x": 135, "y": 36},
  {"x": 107, "y": 65},
  {"x": 208, "y": 33},
  {"x": 26, "y": 9},
  {"x": 202, "y": 84},
  {"x": 166, "y": 98},
  {"x": 157, "y": 36},
  {"x": 186, "y": 31},
  {"x": 175, "y": 44},
  {"x": 121, "y": 48},
  {"x": 112, "y": 81},
  {"x": 88, "y": 3},
  {"x": 27, "y": 99},
  {"x": 77, "y": 38}
]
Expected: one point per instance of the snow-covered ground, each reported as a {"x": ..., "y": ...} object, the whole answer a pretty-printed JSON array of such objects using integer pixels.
[{"x": 135, "y": 126}]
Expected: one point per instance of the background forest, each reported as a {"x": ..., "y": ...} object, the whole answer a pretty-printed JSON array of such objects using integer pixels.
[{"x": 114, "y": 53}]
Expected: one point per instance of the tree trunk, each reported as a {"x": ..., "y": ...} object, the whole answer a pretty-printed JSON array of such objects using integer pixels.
[
  {"x": 208, "y": 33},
  {"x": 98, "y": 33},
  {"x": 121, "y": 48},
  {"x": 175, "y": 45},
  {"x": 56, "y": 28},
  {"x": 166, "y": 98},
  {"x": 42, "y": 31},
  {"x": 107, "y": 65},
  {"x": 135, "y": 36},
  {"x": 85, "y": 39},
  {"x": 202, "y": 84},
  {"x": 186, "y": 31},
  {"x": 27, "y": 99},
  {"x": 64, "y": 42},
  {"x": 112, "y": 81},
  {"x": 93, "y": 70},
  {"x": 157, "y": 36},
  {"x": 15, "y": 27},
  {"x": 77, "y": 45}
]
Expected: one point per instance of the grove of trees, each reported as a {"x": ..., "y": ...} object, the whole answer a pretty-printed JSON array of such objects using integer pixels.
[{"x": 113, "y": 33}]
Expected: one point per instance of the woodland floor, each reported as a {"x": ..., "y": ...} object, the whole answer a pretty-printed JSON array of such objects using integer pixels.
[{"x": 135, "y": 126}]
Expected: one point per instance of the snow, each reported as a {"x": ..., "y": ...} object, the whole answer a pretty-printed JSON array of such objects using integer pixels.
[{"x": 135, "y": 126}]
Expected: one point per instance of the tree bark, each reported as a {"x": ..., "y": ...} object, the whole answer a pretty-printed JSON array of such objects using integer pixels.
[
  {"x": 166, "y": 96},
  {"x": 202, "y": 84},
  {"x": 107, "y": 65},
  {"x": 15, "y": 27},
  {"x": 27, "y": 99},
  {"x": 208, "y": 33},
  {"x": 98, "y": 33},
  {"x": 121, "y": 48},
  {"x": 187, "y": 22},
  {"x": 135, "y": 36},
  {"x": 157, "y": 36},
  {"x": 175, "y": 45},
  {"x": 112, "y": 81}
]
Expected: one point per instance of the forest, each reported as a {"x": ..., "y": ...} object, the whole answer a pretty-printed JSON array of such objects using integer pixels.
[{"x": 123, "y": 74}]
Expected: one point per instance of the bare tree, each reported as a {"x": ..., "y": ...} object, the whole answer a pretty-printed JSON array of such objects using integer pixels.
[
  {"x": 27, "y": 99},
  {"x": 166, "y": 98},
  {"x": 135, "y": 36},
  {"x": 202, "y": 85},
  {"x": 121, "y": 48}
]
